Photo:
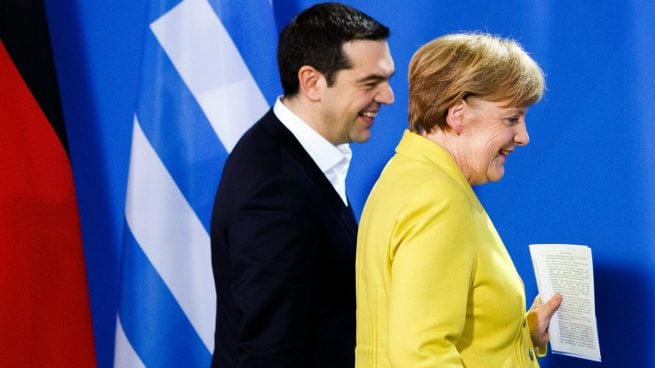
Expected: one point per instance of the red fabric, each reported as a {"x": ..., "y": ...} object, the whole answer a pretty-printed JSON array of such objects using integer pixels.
[{"x": 45, "y": 318}]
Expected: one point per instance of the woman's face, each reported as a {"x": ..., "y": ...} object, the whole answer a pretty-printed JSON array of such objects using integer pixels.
[{"x": 489, "y": 132}]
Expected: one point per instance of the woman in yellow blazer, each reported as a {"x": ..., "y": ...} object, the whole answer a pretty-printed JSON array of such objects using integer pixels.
[{"x": 435, "y": 284}]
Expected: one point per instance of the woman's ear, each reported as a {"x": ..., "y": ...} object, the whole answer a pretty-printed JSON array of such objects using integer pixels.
[
  {"x": 311, "y": 82},
  {"x": 455, "y": 116}
]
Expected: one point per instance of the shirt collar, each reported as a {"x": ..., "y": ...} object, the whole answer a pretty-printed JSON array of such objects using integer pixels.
[{"x": 325, "y": 154}]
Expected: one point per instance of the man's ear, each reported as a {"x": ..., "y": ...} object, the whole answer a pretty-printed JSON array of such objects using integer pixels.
[
  {"x": 311, "y": 82},
  {"x": 455, "y": 116}
]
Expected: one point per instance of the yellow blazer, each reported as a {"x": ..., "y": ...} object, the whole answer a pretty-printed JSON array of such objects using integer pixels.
[{"x": 435, "y": 285}]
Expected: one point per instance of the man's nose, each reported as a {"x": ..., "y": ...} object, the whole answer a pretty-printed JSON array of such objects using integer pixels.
[{"x": 385, "y": 96}]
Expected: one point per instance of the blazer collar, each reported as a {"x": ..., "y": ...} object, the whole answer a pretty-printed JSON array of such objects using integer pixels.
[{"x": 420, "y": 148}]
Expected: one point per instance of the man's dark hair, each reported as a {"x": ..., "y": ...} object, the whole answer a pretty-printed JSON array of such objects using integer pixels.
[{"x": 316, "y": 36}]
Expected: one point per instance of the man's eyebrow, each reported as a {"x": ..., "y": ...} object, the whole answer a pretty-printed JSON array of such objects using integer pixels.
[{"x": 375, "y": 78}]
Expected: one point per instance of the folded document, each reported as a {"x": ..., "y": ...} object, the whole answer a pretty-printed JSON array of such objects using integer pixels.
[{"x": 568, "y": 269}]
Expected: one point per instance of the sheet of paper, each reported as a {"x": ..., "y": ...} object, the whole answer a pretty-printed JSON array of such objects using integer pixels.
[{"x": 568, "y": 269}]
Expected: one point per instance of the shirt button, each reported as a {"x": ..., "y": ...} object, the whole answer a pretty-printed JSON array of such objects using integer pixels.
[{"x": 531, "y": 354}]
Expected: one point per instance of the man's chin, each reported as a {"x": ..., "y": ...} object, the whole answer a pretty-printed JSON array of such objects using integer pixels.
[
  {"x": 360, "y": 140},
  {"x": 363, "y": 137}
]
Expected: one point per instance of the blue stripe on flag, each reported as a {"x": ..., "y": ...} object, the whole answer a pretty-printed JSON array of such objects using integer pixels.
[
  {"x": 179, "y": 131},
  {"x": 160, "y": 7},
  {"x": 260, "y": 40},
  {"x": 145, "y": 302}
]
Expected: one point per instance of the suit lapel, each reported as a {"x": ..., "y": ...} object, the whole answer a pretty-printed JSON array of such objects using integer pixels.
[
  {"x": 351, "y": 222},
  {"x": 275, "y": 127}
]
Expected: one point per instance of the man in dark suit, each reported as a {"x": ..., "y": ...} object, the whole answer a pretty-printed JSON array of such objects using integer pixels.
[{"x": 282, "y": 233}]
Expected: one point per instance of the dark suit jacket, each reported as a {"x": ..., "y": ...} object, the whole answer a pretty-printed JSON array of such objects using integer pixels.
[{"x": 283, "y": 254}]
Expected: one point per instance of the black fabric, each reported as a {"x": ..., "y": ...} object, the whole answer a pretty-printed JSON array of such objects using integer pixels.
[
  {"x": 24, "y": 32},
  {"x": 283, "y": 253}
]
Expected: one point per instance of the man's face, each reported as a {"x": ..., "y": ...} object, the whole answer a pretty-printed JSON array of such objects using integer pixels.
[{"x": 349, "y": 106}]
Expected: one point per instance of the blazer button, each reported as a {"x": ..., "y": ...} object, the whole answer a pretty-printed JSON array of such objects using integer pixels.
[{"x": 531, "y": 354}]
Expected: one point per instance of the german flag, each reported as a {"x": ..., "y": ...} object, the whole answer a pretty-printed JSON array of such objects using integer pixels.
[{"x": 45, "y": 318}]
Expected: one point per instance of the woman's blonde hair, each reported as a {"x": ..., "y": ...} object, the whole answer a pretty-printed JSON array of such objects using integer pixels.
[{"x": 456, "y": 66}]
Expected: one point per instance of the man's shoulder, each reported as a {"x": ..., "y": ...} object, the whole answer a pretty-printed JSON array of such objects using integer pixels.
[
  {"x": 264, "y": 135},
  {"x": 266, "y": 149}
]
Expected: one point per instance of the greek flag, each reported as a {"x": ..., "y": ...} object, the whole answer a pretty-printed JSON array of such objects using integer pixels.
[{"x": 203, "y": 65}]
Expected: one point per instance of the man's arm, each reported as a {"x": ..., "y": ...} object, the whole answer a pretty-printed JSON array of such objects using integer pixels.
[{"x": 273, "y": 250}]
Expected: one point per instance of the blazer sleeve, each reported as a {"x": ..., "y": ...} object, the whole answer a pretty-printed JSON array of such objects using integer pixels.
[
  {"x": 432, "y": 270},
  {"x": 273, "y": 238}
]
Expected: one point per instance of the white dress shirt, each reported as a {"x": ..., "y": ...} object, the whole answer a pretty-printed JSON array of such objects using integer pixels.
[{"x": 332, "y": 160}]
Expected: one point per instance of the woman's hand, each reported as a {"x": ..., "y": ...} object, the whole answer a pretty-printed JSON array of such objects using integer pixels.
[{"x": 539, "y": 318}]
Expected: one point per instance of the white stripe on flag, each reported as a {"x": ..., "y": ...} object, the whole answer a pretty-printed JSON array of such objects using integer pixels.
[
  {"x": 171, "y": 235},
  {"x": 209, "y": 63},
  {"x": 124, "y": 355}
]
